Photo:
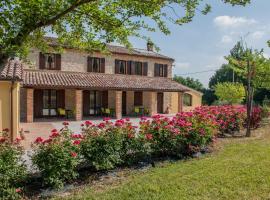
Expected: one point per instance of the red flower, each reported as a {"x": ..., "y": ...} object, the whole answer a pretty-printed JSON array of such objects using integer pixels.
[
  {"x": 149, "y": 136},
  {"x": 54, "y": 134},
  {"x": 6, "y": 130},
  {"x": 106, "y": 119},
  {"x": 47, "y": 141},
  {"x": 17, "y": 140},
  {"x": 76, "y": 142},
  {"x": 39, "y": 140},
  {"x": 127, "y": 119},
  {"x": 73, "y": 154},
  {"x": 54, "y": 130},
  {"x": 65, "y": 123},
  {"x": 2, "y": 139},
  {"x": 88, "y": 123},
  {"x": 82, "y": 125},
  {"x": 18, "y": 190}
]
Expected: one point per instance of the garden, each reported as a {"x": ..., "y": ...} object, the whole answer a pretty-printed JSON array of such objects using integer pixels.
[{"x": 60, "y": 159}]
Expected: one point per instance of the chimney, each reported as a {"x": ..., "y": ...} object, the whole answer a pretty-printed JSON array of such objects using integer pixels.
[{"x": 150, "y": 46}]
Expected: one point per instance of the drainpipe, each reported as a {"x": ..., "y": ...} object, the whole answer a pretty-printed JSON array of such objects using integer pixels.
[{"x": 11, "y": 110}]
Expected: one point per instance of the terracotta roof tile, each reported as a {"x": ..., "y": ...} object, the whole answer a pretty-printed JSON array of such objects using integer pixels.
[
  {"x": 13, "y": 70},
  {"x": 60, "y": 79}
]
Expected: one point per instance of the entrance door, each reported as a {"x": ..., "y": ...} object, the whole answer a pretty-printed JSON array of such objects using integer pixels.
[
  {"x": 92, "y": 102},
  {"x": 160, "y": 102},
  {"x": 124, "y": 103}
]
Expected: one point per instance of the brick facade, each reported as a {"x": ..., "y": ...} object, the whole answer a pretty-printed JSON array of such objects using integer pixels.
[
  {"x": 78, "y": 105},
  {"x": 118, "y": 104},
  {"x": 29, "y": 105}
]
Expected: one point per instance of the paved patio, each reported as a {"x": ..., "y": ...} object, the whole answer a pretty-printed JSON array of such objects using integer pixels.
[{"x": 43, "y": 128}]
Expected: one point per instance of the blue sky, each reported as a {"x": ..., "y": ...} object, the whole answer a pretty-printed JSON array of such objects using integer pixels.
[{"x": 202, "y": 44}]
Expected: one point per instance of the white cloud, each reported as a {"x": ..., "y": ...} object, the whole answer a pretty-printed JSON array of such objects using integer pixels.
[
  {"x": 182, "y": 65},
  {"x": 226, "y": 39},
  {"x": 233, "y": 22},
  {"x": 257, "y": 35}
]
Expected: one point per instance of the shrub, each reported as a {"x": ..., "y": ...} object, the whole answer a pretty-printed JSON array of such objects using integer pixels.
[
  {"x": 102, "y": 145},
  {"x": 12, "y": 168},
  {"x": 256, "y": 117},
  {"x": 180, "y": 136},
  {"x": 57, "y": 157},
  {"x": 229, "y": 119}
]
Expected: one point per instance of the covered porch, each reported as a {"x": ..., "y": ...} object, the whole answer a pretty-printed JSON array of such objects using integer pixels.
[{"x": 77, "y": 96}]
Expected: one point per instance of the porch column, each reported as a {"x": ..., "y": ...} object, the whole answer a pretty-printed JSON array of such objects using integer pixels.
[
  {"x": 29, "y": 105},
  {"x": 150, "y": 102},
  {"x": 118, "y": 104},
  {"x": 180, "y": 102},
  {"x": 78, "y": 105}
]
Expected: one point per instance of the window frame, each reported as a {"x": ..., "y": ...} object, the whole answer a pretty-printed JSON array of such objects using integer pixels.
[
  {"x": 188, "y": 102},
  {"x": 138, "y": 98}
]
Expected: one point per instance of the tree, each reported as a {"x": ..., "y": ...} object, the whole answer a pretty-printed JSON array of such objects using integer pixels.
[
  {"x": 224, "y": 74},
  {"x": 189, "y": 82},
  {"x": 232, "y": 93},
  {"x": 88, "y": 24},
  {"x": 254, "y": 68}
]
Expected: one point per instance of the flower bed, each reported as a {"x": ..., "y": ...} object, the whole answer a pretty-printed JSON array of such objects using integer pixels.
[{"x": 111, "y": 144}]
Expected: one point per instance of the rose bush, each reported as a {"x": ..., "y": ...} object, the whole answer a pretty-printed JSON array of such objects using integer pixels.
[
  {"x": 108, "y": 144},
  {"x": 57, "y": 157},
  {"x": 12, "y": 168},
  {"x": 184, "y": 134}
]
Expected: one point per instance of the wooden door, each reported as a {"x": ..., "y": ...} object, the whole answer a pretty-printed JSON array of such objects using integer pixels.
[
  {"x": 160, "y": 102},
  {"x": 124, "y": 103},
  {"x": 86, "y": 101},
  {"x": 38, "y": 103}
]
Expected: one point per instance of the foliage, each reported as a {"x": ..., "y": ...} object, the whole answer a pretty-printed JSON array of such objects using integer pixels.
[
  {"x": 224, "y": 74},
  {"x": 233, "y": 93},
  {"x": 256, "y": 117},
  {"x": 209, "y": 97},
  {"x": 89, "y": 24},
  {"x": 265, "y": 111},
  {"x": 189, "y": 82},
  {"x": 57, "y": 157},
  {"x": 12, "y": 168},
  {"x": 229, "y": 119},
  {"x": 222, "y": 176},
  {"x": 182, "y": 135}
]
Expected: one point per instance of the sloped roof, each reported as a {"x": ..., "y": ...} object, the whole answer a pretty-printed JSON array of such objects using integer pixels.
[
  {"x": 84, "y": 80},
  {"x": 13, "y": 70},
  {"x": 119, "y": 50}
]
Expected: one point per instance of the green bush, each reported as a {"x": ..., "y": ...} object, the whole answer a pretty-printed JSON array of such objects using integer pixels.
[
  {"x": 12, "y": 168},
  {"x": 102, "y": 145},
  {"x": 57, "y": 157}
]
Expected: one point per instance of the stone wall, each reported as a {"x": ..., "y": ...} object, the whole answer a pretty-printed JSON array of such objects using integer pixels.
[{"x": 75, "y": 60}]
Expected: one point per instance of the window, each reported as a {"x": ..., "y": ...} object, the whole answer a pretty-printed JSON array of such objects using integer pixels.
[
  {"x": 131, "y": 67},
  {"x": 161, "y": 70},
  {"x": 96, "y": 65},
  {"x": 138, "y": 98},
  {"x": 50, "y": 61},
  {"x": 187, "y": 99},
  {"x": 138, "y": 68}
]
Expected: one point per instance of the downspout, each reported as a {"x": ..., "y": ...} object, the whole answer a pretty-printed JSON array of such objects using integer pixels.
[{"x": 11, "y": 109}]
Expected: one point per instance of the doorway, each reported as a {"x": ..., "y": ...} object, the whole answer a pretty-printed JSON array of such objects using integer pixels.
[
  {"x": 124, "y": 103},
  {"x": 160, "y": 101}
]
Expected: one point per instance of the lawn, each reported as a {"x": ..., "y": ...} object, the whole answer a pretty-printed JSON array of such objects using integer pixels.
[{"x": 240, "y": 169}]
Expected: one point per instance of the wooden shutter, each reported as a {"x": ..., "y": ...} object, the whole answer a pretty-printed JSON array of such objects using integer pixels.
[
  {"x": 138, "y": 98},
  {"x": 60, "y": 96},
  {"x": 102, "y": 65},
  {"x": 156, "y": 70},
  {"x": 145, "y": 68},
  {"x": 129, "y": 67},
  {"x": 58, "y": 61},
  {"x": 86, "y": 103},
  {"x": 89, "y": 64},
  {"x": 38, "y": 103},
  {"x": 165, "y": 70},
  {"x": 105, "y": 99},
  {"x": 117, "y": 67},
  {"x": 41, "y": 61},
  {"x": 133, "y": 67}
]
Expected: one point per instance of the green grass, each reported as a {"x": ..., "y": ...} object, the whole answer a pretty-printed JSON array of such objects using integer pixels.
[{"x": 239, "y": 170}]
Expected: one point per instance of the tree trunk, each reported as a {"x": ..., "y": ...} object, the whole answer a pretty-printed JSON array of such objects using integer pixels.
[{"x": 249, "y": 102}]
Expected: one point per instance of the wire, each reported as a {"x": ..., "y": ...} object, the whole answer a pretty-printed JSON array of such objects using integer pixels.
[{"x": 199, "y": 72}]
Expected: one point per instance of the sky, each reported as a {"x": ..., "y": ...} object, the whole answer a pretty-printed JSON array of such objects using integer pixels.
[{"x": 202, "y": 44}]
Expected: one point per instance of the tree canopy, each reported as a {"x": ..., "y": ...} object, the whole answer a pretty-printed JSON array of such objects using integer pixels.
[
  {"x": 231, "y": 93},
  {"x": 89, "y": 24},
  {"x": 189, "y": 82}
]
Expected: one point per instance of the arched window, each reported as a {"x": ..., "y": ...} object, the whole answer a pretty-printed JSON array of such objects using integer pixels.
[{"x": 187, "y": 99}]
